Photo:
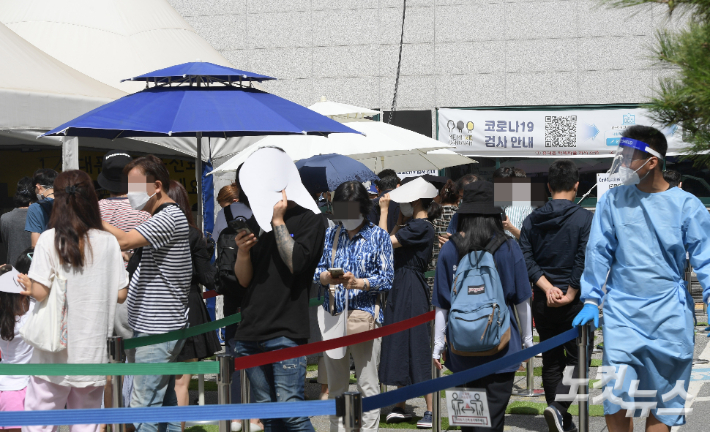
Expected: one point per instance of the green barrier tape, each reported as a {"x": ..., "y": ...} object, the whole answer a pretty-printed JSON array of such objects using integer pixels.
[
  {"x": 315, "y": 301},
  {"x": 200, "y": 329},
  {"x": 181, "y": 334},
  {"x": 429, "y": 274},
  {"x": 192, "y": 368}
]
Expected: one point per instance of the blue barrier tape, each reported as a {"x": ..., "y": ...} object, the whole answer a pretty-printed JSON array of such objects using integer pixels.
[
  {"x": 459, "y": 378},
  {"x": 167, "y": 414},
  {"x": 269, "y": 410}
]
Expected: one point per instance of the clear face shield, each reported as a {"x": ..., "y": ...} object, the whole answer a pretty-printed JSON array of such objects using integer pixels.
[{"x": 630, "y": 150}]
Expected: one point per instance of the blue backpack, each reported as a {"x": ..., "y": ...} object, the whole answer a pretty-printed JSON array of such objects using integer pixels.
[{"x": 479, "y": 320}]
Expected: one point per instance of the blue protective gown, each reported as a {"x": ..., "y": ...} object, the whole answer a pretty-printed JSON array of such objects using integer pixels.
[{"x": 640, "y": 240}]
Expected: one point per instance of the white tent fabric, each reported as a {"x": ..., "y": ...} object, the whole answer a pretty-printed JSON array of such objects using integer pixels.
[
  {"x": 109, "y": 40},
  {"x": 40, "y": 92},
  {"x": 332, "y": 109},
  {"x": 381, "y": 140},
  {"x": 417, "y": 160},
  {"x": 103, "y": 41}
]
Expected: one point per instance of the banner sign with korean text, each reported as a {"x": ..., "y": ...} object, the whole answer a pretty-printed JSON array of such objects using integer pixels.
[{"x": 591, "y": 133}]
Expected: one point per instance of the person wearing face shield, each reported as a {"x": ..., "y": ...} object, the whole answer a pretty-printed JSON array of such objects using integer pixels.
[
  {"x": 406, "y": 356},
  {"x": 364, "y": 253},
  {"x": 639, "y": 237}
]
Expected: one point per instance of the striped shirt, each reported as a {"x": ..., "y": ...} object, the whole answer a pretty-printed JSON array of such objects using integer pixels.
[
  {"x": 119, "y": 213},
  {"x": 517, "y": 215},
  {"x": 157, "y": 296}
]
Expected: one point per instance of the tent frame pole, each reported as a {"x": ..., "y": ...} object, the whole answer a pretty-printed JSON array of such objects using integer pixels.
[{"x": 198, "y": 175}]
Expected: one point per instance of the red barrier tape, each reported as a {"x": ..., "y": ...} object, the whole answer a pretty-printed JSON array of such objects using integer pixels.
[
  {"x": 316, "y": 347},
  {"x": 210, "y": 294}
]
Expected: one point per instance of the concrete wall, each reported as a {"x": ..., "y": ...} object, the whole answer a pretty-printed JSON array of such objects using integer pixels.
[{"x": 456, "y": 53}]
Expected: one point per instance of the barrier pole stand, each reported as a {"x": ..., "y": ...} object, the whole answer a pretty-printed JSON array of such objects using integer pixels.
[
  {"x": 224, "y": 380},
  {"x": 383, "y": 303},
  {"x": 582, "y": 355},
  {"x": 246, "y": 392},
  {"x": 200, "y": 389},
  {"x": 436, "y": 397},
  {"x": 349, "y": 407},
  {"x": 116, "y": 355},
  {"x": 530, "y": 380}
]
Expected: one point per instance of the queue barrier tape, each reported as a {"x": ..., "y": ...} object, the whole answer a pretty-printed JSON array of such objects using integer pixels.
[
  {"x": 182, "y": 333},
  {"x": 268, "y": 410},
  {"x": 463, "y": 377},
  {"x": 210, "y": 294},
  {"x": 191, "y": 368},
  {"x": 318, "y": 347},
  {"x": 167, "y": 414}
]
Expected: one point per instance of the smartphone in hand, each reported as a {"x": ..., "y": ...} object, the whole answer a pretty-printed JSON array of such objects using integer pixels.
[
  {"x": 240, "y": 225},
  {"x": 336, "y": 272}
]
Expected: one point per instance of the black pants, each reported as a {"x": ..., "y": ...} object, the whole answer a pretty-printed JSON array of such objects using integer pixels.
[
  {"x": 498, "y": 388},
  {"x": 550, "y": 322}
]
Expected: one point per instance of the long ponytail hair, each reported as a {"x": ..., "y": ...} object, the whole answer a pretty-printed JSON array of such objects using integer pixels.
[
  {"x": 75, "y": 211},
  {"x": 433, "y": 208}
]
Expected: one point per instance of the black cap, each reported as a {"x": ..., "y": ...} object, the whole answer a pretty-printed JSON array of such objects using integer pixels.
[
  {"x": 111, "y": 176},
  {"x": 478, "y": 199}
]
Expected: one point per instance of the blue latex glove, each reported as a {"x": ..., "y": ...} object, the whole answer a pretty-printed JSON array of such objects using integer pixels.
[{"x": 588, "y": 313}]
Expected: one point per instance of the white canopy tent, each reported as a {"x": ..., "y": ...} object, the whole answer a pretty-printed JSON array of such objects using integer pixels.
[
  {"x": 38, "y": 92},
  {"x": 110, "y": 40},
  {"x": 381, "y": 146}
]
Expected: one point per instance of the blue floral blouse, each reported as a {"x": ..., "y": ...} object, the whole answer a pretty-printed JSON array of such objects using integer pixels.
[{"x": 368, "y": 256}]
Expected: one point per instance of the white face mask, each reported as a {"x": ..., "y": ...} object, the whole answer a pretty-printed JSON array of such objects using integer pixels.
[
  {"x": 351, "y": 224},
  {"x": 406, "y": 209},
  {"x": 629, "y": 176},
  {"x": 138, "y": 200}
]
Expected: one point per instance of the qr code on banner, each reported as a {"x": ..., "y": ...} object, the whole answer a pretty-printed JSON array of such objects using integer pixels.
[{"x": 561, "y": 131}]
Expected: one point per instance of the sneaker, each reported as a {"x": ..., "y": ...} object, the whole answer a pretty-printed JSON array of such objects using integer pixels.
[
  {"x": 426, "y": 421},
  {"x": 397, "y": 416},
  {"x": 554, "y": 420}
]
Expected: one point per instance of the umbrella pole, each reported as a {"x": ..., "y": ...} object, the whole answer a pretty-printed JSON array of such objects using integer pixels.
[{"x": 198, "y": 175}]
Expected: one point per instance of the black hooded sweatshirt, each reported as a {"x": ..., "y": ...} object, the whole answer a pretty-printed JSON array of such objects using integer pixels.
[{"x": 553, "y": 240}]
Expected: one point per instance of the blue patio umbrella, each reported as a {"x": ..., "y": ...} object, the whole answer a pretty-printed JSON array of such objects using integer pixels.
[
  {"x": 195, "y": 100},
  {"x": 326, "y": 172}
]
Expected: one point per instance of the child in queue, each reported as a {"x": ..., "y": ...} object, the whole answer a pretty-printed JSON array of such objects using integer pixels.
[{"x": 13, "y": 315}]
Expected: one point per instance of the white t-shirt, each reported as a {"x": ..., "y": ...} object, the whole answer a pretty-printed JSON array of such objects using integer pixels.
[
  {"x": 92, "y": 294},
  {"x": 16, "y": 351}
]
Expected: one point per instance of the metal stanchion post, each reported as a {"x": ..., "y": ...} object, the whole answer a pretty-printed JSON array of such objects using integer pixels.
[
  {"x": 582, "y": 355},
  {"x": 246, "y": 392},
  {"x": 200, "y": 389},
  {"x": 349, "y": 407},
  {"x": 529, "y": 376},
  {"x": 224, "y": 380},
  {"x": 117, "y": 355}
]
